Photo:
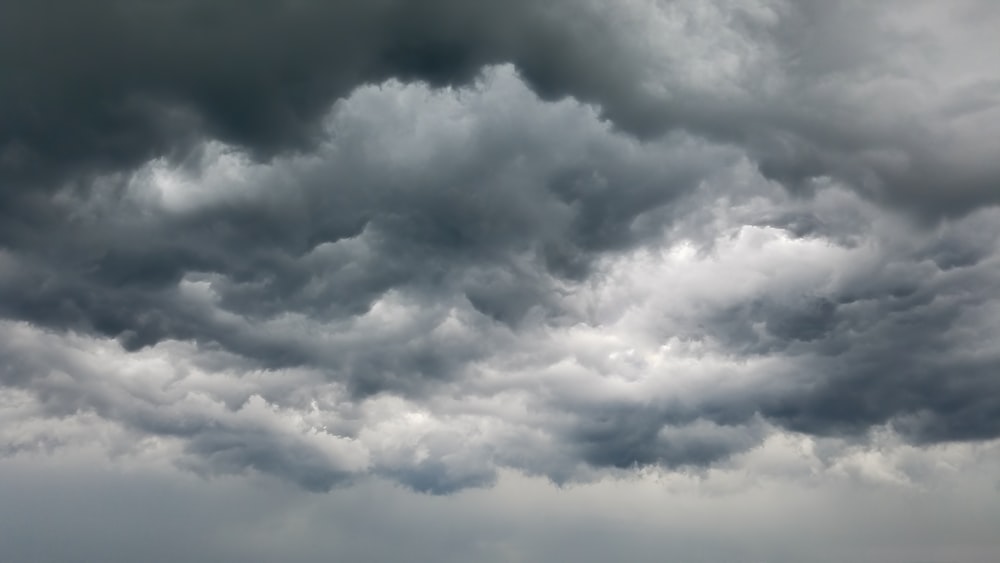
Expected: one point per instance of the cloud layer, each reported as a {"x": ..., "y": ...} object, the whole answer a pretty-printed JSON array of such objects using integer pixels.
[{"x": 436, "y": 241}]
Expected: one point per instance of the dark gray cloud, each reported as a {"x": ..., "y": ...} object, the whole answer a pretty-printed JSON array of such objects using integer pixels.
[
  {"x": 326, "y": 240},
  {"x": 497, "y": 207},
  {"x": 107, "y": 86}
]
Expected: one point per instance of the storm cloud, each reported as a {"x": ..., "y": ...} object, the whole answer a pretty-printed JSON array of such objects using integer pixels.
[{"x": 440, "y": 243}]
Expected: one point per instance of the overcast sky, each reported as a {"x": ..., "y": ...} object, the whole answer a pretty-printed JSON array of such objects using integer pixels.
[{"x": 519, "y": 281}]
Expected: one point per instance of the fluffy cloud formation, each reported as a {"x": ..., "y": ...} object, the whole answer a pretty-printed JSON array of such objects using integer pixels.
[
  {"x": 896, "y": 97},
  {"x": 436, "y": 241}
]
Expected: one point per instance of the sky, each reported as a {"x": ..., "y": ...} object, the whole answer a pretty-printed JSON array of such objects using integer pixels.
[{"x": 521, "y": 281}]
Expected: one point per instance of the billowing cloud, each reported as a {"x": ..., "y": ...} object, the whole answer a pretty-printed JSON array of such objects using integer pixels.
[
  {"x": 895, "y": 97},
  {"x": 448, "y": 244},
  {"x": 477, "y": 279}
]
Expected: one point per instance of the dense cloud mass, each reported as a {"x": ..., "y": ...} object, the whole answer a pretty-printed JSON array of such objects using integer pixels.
[{"x": 435, "y": 242}]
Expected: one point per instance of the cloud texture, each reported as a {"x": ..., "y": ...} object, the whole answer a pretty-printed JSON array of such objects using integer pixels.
[{"x": 435, "y": 241}]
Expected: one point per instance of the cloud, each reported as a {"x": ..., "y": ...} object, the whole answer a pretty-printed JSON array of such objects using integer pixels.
[
  {"x": 109, "y": 86},
  {"x": 437, "y": 241},
  {"x": 478, "y": 192},
  {"x": 750, "y": 313}
]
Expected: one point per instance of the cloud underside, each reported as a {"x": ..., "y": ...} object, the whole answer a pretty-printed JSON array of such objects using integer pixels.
[{"x": 431, "y": 240}]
